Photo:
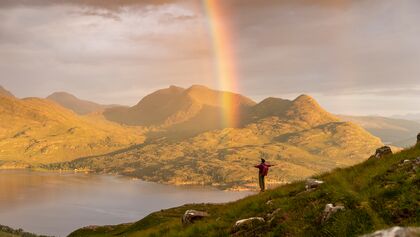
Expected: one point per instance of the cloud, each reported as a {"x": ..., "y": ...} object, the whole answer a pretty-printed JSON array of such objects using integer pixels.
[{"x": 330, "y": 48}]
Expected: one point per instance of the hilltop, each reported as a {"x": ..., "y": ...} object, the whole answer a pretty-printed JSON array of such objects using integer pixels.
[
  {"x": 34, "y": 130},
  {"x": 299, "y": 136},
  {"x": 376, "y": 194},
  {"x": 178, "y": 110},
  {"x": 77, "y": 105}
]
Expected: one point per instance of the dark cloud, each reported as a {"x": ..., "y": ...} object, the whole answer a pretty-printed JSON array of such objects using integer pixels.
[{"x": 106, "y": 4}]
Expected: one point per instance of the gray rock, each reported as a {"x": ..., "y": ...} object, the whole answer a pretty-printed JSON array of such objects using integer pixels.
[
  {"x": 382, "y": 151},
  {"x": 269, "y": 202},
  {"x": 248, "y": 224},
  {"x": 329, "y": 210},
  {"x": 190, "y": 216},
  {"x": 273, "y": 215},
  {"x": 312, "y": 183},
  {"x": 396, "y": 231}
]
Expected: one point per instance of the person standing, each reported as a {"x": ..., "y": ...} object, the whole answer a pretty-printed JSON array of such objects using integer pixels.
[{"x": 263, "y": 171}]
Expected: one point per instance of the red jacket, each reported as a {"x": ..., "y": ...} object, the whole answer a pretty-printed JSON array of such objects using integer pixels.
[{"x": 263, "y": 167}]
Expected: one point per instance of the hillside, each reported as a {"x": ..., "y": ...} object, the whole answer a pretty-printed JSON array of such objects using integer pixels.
[
  {"x": 398, "y": 132},
  {"x": 300, "y": 137},
  {"x": 36, "y": 130},
  {"x": 178, "y": 110},
  {"x": 77, "y": 105},
  {"x": 376, "y": 194},
  {"x": 5, "y": 92}
]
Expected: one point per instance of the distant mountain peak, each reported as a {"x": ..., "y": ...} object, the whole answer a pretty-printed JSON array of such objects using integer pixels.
[
  {"x": 79, "y": 106},
  {"x": 61, "y": 94},
  {"x": 304, "y": 98},
  {"x": 5, "y": 92}
]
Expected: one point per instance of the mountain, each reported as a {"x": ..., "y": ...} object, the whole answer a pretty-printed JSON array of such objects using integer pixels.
[
  {"x": 187, "y": 111},
  {"x": 36, "y": 130},
  {"x": 411, "y": 116},
  {"x": 299, "y": 136},
  {"x": 5, "y": 92},
  {"x": 377, "y": 194},
  {"x": 77, "y": 105},
  {"x": 397, "y": 132}
]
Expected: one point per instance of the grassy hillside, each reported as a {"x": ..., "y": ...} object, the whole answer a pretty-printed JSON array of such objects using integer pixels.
[
  {"x": 302, "y": 139},
  {"x": 376, "y": 194},
  {"x": 36, "y": 130},
  {"x": 398, "y": 132},
  {"x": 6, "y": 231}
]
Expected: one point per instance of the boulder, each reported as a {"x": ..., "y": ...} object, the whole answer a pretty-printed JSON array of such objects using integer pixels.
[
  {"x": 329, "y": 210},
  {"x": 249, "y": 224},
  {"x": 396, "y": 231},
  {"x": 272, "y": 216},
  {"x": 382, "y": 151},
  {"x": 312, "y": 183},
  {"x": 190, "y": 216},
  {"x": 269, "y": 202}
]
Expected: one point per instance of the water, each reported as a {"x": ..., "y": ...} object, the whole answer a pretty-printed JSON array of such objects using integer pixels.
[{"x": 56, "y": 204}]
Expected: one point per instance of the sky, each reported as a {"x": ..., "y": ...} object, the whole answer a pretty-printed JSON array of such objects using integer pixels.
[{"x": 355, "y": 57}]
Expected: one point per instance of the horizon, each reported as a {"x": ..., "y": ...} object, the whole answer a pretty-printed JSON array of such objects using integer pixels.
[
  {"x": 354, "y": 58},
  {"x": 288, "y": 97}
]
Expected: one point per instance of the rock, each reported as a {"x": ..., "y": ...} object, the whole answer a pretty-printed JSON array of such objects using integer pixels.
[
  {"x": 329, "y": 210},
  {"x": 312, "y": 183},
  {"x": 269, "y": 202},
  {"x": 383, "y": 151},
  {"x": 396, "y": 231},
  {"x": 190, "y": 216},
  {"x": 418, "y": 139},
  {"x": 272, "y": 216},
  {"x": 245, "y": 225},
  {"x": 406, "y": 161}
]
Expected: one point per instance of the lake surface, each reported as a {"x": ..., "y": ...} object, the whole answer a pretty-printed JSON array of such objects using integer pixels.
[{"x": 56, "y": 204}]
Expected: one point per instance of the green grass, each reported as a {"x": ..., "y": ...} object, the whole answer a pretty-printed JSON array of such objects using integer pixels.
[
  {"x": 378, "y": 193},
  {"x": 6, "y": 231}
]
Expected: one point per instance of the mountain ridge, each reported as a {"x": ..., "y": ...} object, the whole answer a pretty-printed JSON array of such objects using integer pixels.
[
  {"x": 5, "y": 92},
  {"x": 297, "y": 134},
  {"x": 79, "y": 106}
]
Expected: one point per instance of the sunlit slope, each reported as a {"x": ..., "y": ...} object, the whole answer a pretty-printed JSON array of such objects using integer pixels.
[
  {"x": 301, "y": 138},
  {"x": 40, "y": 131},
  {"x": 376, "y": 194},
  {"x": 179, "y": 111}
]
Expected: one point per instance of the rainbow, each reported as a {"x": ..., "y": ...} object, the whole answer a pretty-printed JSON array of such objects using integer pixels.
[{"x": 224, "y": 60}]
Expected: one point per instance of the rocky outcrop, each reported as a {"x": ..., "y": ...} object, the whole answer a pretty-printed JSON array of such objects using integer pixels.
[
  {"x": 396, "y": 231},
  {"x": 329, "y": 210},
  {"x": 382, "y": 151},
  {"x": 418, "y": 139},
  {"x": 312, "y": 184},
  {"x": 246, "y": 227},
  {"x": 190, "y": 216},
  {"x": 272, "y": 216}
]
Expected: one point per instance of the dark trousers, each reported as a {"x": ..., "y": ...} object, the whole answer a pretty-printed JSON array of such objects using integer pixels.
[{"x": 262, "y": 182}]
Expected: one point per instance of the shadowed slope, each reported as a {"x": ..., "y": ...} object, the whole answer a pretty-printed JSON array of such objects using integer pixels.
[
  {"x": 75, "y": 104},
  {"x": 5, "y": 92},
  {"x": 187, "y": 111}
]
